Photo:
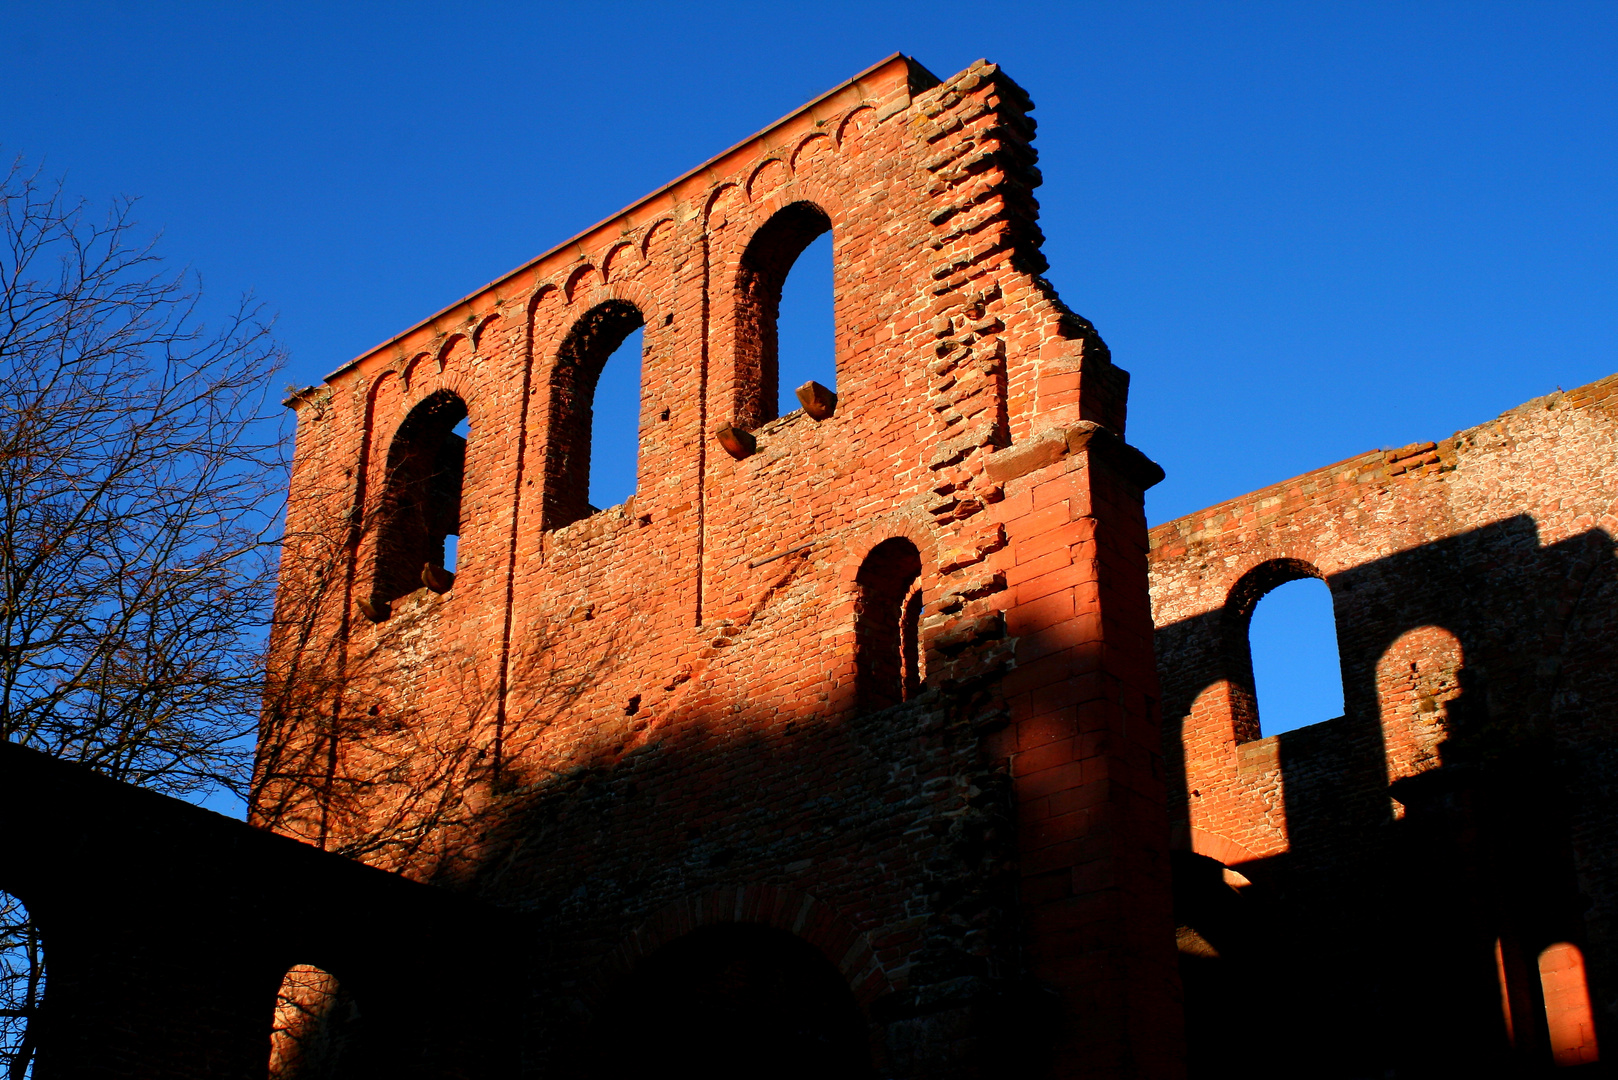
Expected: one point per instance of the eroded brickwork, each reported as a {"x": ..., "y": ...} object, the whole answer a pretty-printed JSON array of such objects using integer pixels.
[
  {"x": 1398, "y": 870},
  {"x": 632, "y": 724}
]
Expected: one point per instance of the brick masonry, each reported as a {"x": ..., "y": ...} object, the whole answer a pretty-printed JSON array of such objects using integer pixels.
[
  {"x": 633, "y": 725},
  {"x": 1398, "y": 870}
]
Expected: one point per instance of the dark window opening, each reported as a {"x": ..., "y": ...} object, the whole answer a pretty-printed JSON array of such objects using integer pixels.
[
  {"x": 1285, "y": 668},
  {"x": 422, "y": 501},
  {"x": 574, "y": 404},
  {"x": 779, "y": 343},
  {"x": 887, "y": 625},
  {"x": 1221, "y": 976},
  {"x": 22, "y": 988},
  {"x": 733, "y": 1001}
]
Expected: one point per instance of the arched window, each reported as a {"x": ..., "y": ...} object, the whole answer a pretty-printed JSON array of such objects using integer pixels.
[
  {"x": 452, "y": 541},
  {"x": 1567, "y": 1005},
  {"x": 1282, "y": 638},
  {"x": 762, "y": 356},
  {"x": 887, "y": 622},
  {"x": 421, "y": 505},
  {"x": 570, "y": 436},
  {"x": 728, "y": 1002},
  {"x": 315, "y": 1035},
  {"x": 615, "y": 442},
  {"x": 805, "y": 341},
  {"x": 22, "y": 988}
]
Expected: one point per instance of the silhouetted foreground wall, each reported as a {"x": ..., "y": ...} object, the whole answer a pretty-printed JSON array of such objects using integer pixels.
[
  {"x": 1421, "y": 880},
  {"x": 167, "y": 930}
]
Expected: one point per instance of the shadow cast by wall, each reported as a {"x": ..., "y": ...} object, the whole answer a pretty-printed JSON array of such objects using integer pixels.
[{"x": 1432, "y": 847}]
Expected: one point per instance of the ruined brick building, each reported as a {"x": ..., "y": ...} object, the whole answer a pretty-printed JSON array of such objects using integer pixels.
[{"x": 841, "y": 746}]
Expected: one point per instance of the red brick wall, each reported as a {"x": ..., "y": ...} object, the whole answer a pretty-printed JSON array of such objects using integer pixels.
[
  {"x": 1464, "y": 798},
  {"x": 607, "y": 717}
]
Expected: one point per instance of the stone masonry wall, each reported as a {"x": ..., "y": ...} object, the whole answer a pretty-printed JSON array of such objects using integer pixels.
[
  {"x": 638, "y": 722},
  {"x": 1398, "y": 870}
]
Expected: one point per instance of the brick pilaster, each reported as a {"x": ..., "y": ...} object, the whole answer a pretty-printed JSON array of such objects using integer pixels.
[{"x": 1086, "y": 752}]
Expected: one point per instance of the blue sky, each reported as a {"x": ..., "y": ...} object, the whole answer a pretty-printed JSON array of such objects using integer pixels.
[{"x": 1306, "y": 229}]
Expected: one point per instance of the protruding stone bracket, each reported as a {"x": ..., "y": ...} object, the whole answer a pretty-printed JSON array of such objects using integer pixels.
[
  {"x": 817, "y": 401},
  {"x": 377, "y": 611},
  {"x": 437, "y": 578},
  {"x": 1054, "y": 444},
  {"x": 738, "y": 444}
]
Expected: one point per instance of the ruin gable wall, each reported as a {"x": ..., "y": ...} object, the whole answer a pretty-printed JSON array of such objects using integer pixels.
[{"x": 880, "y": 678}]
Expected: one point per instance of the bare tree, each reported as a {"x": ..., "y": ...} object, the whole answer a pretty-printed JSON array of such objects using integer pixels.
[
  {"x": 22, "y": 985},
  {"x": 140, "y": 468}
]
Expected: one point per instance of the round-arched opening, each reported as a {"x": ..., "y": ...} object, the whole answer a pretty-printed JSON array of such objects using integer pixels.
[
  {"x": 421, "y": 505},
  {"x": 571, "y": 434},
  {"x": 316, "y": 1033},
  {"x": 1281, "y": 650},
  {"x": 22, "y": 988},
  {"x": 1297, "y": 672},
  {"x": 762, "y": 356},
  {"x": 887, "y": 614},
  {"x": 732, "y": 1001},
  {"x": 1569, "y": 1020}
]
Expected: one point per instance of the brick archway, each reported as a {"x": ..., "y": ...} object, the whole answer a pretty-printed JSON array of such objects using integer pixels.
[{"x": 799, "y": 914}]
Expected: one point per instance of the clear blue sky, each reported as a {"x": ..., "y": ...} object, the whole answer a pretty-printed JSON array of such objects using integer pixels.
[{"x": 1306, "y": 229}]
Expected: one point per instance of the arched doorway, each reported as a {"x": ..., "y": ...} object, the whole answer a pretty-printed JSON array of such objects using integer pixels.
[{"x": 730, "y": 1001}]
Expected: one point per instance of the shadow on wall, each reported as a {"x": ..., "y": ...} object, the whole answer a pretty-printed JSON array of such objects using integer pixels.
[
  {"x": 1434, "y": 842},
  {"x": 889, "y": 814}
]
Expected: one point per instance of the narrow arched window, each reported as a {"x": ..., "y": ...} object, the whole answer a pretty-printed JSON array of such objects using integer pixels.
[
  {"x": 452, "y": 541},
  {"x": 887, "y": 621},
  {"x": 315, "y": 1033},
  {"x": 763, "y": 354},
  {"x": 1285, "y": 669},
  {"x": 805, "y": 345},
  {"x": 1568, "y": 1016},
  {"x": 576, "y": 411},
  {"x": 22, "y": 988},
  {"x": 615, "y": 425},
  {"x": 421, "y": 504}
]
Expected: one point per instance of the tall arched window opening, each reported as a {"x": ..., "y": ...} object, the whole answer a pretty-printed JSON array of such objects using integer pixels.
[
  {"x": 1567, "y": 1005},
  {"x": 805, "y": 344},
  {"x": 615, "y": 439},
  {"x": 22, "y": 988},
  {"x": 766, "y": 362},
  {"x": 728, "y": 1002},
  {"x": 887, "y": 624},
  {"x": 452, "y": 541},
  {"x": 422, "y": 500},
  {"x": 1285, "y": 669},
  {"x": 576, "y": 406},
  {"x": 316, "y": 1030}
]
